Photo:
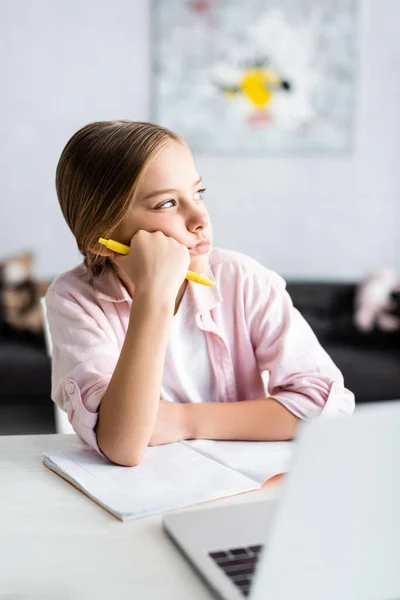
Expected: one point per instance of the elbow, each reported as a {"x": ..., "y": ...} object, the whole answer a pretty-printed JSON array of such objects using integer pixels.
[
  {"x": 123, "y": 447},
  {"x": 119, "y": 453},
  {"x": 127, "y": 461},
  {"x": 132, "y": 459},
  {"x": 122, "y": 458}
]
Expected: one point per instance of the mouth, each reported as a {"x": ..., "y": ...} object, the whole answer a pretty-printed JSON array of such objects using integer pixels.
[{"x": 201, "y": 247}]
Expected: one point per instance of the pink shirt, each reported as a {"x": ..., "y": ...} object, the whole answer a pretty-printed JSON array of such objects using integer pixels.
[{"x": 259, "y": 344}]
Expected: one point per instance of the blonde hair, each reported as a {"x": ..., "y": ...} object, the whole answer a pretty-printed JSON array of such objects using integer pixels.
[{"x": 98, "y": 176}]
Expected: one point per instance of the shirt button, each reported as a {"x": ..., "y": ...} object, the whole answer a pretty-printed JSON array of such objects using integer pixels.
[{"x": 70, "y": 388}]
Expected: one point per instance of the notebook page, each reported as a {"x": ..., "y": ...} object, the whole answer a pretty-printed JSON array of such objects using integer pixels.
[
  {"x": 170, "y": 476},
  {"x": 258, "y": 460}
]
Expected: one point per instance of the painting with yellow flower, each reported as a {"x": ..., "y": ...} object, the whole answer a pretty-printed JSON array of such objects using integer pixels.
[{"x": 263, "y": 77}]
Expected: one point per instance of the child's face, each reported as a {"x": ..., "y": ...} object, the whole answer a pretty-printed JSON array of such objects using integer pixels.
[{"x": 171, "y": 201}]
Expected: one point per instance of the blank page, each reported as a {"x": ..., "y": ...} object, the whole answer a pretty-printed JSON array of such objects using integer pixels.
[
  {"x": 258, "y": 460},
  {"x": 170, "y": 476}
]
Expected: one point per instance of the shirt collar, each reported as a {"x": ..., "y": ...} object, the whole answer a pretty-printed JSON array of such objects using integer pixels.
[{"x": 109, "y": 287}]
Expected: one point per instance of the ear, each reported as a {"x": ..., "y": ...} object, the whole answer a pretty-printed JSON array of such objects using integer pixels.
[{"x": 100, "y": 250}]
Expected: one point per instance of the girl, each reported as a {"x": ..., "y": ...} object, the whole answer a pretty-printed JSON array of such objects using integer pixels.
[{"x": 141, "y": 356}]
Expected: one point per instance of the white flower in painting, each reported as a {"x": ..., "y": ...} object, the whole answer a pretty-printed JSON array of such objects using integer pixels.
[{"x": 290, "y": 50}]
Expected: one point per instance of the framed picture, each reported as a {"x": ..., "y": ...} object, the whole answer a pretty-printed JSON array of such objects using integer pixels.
[{"x": 264, "y": 77}]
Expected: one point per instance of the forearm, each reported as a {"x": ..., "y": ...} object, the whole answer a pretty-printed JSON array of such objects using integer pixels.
[
  {"x": 128, "y": 409},
  {"x": 262, "y": 420}
]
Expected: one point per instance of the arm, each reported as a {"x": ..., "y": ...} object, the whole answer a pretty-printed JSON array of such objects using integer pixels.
[
  {"x": 262, "y": 420},
  {"x": 129, "y": 407},
  {"x": 156, "y": 266}
]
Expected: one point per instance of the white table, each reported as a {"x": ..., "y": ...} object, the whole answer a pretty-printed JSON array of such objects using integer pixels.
[{"x": 55, "y": 543}]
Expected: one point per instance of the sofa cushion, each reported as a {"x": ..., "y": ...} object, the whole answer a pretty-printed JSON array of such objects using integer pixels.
[
  {"x": 373, "y": 374},
  {"x": 26, "y": 415},
  {"x": 370, "y": 363},
  {"x": 24, "y": 369}
]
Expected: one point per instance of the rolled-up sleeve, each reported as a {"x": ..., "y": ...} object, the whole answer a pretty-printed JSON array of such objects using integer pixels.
[
  {"x": 296, "y": 370},
  {"x": 83, "y": 361}
]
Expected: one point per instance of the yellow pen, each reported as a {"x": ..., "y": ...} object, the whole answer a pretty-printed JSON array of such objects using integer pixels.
[{"x": 123, "y": 249}]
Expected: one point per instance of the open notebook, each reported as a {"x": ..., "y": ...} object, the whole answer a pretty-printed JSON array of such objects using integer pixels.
[{"x": 172, "y": 476}]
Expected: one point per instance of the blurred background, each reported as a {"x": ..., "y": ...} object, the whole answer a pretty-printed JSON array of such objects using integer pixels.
[{"x": 293, "y": 111}]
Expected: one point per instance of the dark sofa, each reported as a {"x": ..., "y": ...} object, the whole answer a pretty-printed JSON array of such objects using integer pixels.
[
  {"x": 370, "y": 364},
  {"x": 25, "y": 375}
]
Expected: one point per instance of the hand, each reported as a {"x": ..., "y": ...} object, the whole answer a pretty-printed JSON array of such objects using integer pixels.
[
  {"x": 155, "y": 264},
  {"x": 172, "y": 424}
]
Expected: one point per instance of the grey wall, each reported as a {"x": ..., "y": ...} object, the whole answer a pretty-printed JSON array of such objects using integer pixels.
[{"x": 66, "y": 63}]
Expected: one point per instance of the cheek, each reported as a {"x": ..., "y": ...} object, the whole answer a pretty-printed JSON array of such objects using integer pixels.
[
  {"x": 125, "y": 232},
  {"x": 132, "y": 224},
  {"x": 206, "y": 214}
]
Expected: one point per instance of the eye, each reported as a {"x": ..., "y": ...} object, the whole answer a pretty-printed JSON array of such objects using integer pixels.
[
  {"x": 167, "y": 204},
  {"x": 200, "y": 194}
]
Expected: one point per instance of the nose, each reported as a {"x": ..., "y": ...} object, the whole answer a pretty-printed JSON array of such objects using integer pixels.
[{"x": 197, "y": 218}]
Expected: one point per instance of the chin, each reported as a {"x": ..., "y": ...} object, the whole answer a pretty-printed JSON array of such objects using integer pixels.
[{"x": 199, "y": 263}]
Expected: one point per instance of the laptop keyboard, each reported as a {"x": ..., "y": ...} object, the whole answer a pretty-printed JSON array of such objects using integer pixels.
[{"x": 239, "y": 565}]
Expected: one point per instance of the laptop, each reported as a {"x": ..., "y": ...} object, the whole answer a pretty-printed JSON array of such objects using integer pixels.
[{"x": 332, "y": 532}]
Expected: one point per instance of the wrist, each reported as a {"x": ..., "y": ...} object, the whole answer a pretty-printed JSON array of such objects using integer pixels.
[
  {"x": 190, "y": 421},
  {"x": 150, "y": 299}
]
